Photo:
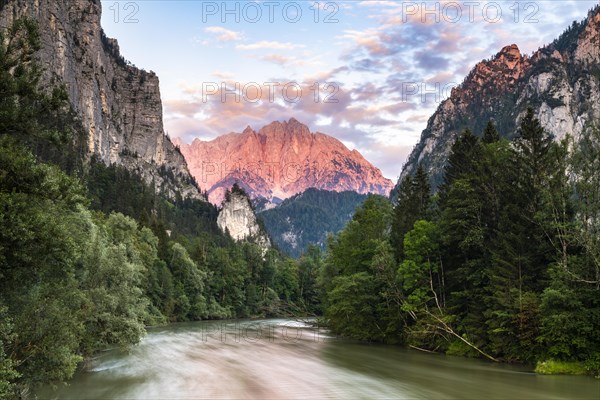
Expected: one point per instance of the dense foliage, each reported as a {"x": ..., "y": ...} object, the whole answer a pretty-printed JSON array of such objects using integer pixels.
[
  {"x": 307, "y": 218},
  {"x": 503, "y": 262},
  {"x": 90, "y": 254}
]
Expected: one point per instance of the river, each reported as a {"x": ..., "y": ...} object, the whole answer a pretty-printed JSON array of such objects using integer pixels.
[{"x": 285, "y": 359}]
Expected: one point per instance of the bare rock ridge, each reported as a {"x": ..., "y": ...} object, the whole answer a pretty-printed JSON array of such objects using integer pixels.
[
  {"x": 119, "y": 105},
  {"x": 279, "y": 161},
  {"x": 561, "y": 81},
  {"x": 237, "y": 217}
]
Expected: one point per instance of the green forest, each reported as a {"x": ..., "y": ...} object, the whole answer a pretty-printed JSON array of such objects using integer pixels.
[
  {"x": 90, "y": 255},
  {"x": 309, "y": 216},
  {"x": 502, "y": 262}
]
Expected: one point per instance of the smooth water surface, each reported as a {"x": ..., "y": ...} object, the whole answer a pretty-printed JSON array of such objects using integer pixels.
[{"x": 285, "y": 359}]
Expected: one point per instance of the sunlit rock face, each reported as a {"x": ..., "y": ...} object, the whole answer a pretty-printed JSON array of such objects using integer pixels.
[
  {"x": 238, "y": 219},
  {"x": 279, "y": 161},
  {"x": 560, "y": 81},
  {"x": 118, "y": 104}
]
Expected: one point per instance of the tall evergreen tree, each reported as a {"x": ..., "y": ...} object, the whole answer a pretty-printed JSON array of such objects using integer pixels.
[
  {"x": 461, "y": 160},
  {"x": 490, "y": 134},
  {"x": 522, "y": 251},
  {"x": 414, "y": 199},
  {"x": 533, "y": 146}
]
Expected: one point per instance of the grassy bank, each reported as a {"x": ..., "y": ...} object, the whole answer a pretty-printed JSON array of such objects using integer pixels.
[{"x": 552, "y": 367}]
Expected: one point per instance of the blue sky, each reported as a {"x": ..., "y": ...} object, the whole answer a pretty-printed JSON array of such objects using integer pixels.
[{"x": 374, "y": 58}]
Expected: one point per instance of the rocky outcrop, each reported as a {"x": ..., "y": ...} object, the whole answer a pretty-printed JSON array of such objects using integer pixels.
[
  {"x": 238, "y": 219},
  {"x": 560, "y": 81},
  {"x": 119, "y": 105},
  {"x": 279, "y": 161}
]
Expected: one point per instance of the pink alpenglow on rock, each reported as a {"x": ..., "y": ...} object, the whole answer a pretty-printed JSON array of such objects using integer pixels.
[{"x": 279, "y": 161}]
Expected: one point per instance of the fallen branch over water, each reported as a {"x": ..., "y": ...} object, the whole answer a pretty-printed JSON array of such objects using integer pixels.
[
  {"x": 446, "y": 328},
  {"x": 421, "y": 349}
]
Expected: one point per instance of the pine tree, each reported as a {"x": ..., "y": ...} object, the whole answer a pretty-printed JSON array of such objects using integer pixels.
[
  {"x": 461, "y": 161},
  {"x": 402, "y": 219},
  {"x": 533, "y": 146},
  {"x": 414, "y": 199},
  {"x": 421, "y": 192},
  {"x": 523, "y": 247},
  {"x": 354, "y": 296},
  {"x": 490, "y": 134},
  {"x": 464, "y": 235}
]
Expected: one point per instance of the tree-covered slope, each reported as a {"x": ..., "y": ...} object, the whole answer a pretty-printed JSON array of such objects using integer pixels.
[{"x": 307, "y": 218}]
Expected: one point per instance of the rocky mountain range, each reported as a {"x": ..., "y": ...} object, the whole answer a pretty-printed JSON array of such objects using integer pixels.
[
  {"x": 560, "y": 81},
  {"x": 118, "y": 104},
  {"x": 278, "y": 161}
]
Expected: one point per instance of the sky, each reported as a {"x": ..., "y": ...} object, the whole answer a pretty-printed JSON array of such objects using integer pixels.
[{"x": 369, "y": 73}]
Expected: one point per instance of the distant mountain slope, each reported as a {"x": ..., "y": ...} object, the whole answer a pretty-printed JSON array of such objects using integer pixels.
[
  {"x": 308, "y": 217},
  {"x": 560, "y": 81},
  {"x": 279, "y": 161}
]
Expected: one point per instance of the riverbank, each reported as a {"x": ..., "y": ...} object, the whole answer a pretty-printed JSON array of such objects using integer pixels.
[
  {"x": 547, "y": 367},
  {"x": 552, "y": 367}
]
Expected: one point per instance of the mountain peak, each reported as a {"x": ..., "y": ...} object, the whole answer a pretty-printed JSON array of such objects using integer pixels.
[
  {"x": 510, "y": 49},
  {"x": 285, "y": 160},
  {"x": 510, "y": 56},
  {"x": 292, "y": 128},
  {"x": 558, "y": 81}
]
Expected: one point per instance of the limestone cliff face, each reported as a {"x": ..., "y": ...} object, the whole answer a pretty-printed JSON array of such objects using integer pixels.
[
  {"x": 119, "y": 105},
  {"x": 238, "y": 218},
  {"x": 279, "y": 161},
  {"x": 560, "y": 81}
]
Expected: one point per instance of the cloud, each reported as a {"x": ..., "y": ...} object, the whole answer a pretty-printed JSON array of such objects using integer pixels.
[
  {"x": 399, "y": 107},
  {"x": 305, "y": 58},
  {"x": 277, "y": 59},
  {"x": 327, "y": 76},
  {"x": 372, "y": 40},
  {"x": 431, "y": 62},
  {"x": 223, "y": 75},
  {"x": 367, "y": 65},
  {"x": 224, "y": 35},
  {"x": 266, "y": 44},
  {"x": 377, "y": 57},
  {"x": 388, "y": 157},
  {"x": 378, "y": 3}
]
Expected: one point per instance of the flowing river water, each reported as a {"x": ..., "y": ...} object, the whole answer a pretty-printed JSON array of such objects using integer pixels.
[{"x": 286, "y": 359}]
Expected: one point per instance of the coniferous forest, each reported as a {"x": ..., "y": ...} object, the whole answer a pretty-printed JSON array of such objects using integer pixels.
[{"x": 501, "y": 262}]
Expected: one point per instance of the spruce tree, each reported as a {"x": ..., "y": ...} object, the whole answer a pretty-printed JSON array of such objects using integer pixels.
[
  {"x": 523, "y": 247},
  {"x": 461, "y": 160},
  {"x": 414, "y": 198},
  {"x": 490, "y": 134},
  {"x": 533, "y": 146}
]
